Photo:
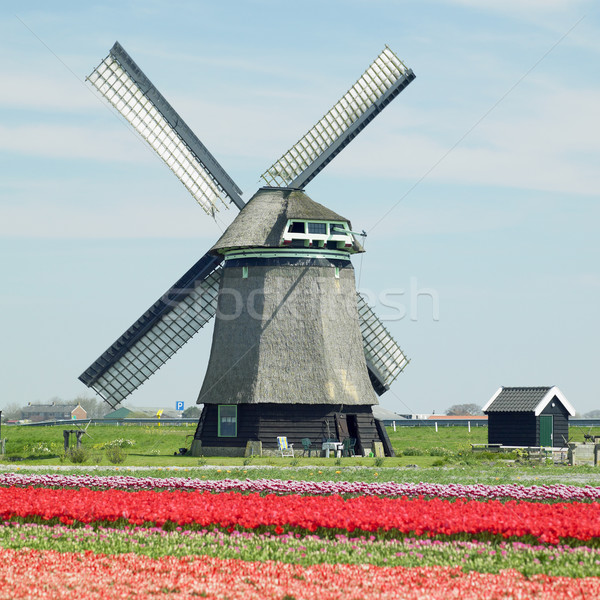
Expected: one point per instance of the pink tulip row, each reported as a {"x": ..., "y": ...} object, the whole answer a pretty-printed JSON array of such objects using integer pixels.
[{"x": 275, "y": 486}]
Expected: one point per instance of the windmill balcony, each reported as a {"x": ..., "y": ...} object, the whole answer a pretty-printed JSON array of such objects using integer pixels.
[{"x": 309, "y": 234}]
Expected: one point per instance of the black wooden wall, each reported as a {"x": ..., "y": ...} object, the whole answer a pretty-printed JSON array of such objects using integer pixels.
[
  {"x": 265, "y": 422},
  {"x": 523, "y": 429},
  {"x": 513, "y": 429}
]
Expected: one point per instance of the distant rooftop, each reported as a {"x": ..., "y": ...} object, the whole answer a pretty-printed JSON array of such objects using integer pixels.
[{"x": 53, "y": 408}]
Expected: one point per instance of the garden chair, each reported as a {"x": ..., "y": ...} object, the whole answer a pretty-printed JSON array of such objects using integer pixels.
[
  {"x": 306, "y": 446},
  {"x": 285, "y": 448},
  {"x": 348, "y": 449}
]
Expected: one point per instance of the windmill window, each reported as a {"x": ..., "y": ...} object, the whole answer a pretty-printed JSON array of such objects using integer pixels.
[
  {"x": 227, "y": 420},
  {"x": 245, "y": 272},
  {"x": 319, "y": 228},
  {"x": 296, "y": 227}
]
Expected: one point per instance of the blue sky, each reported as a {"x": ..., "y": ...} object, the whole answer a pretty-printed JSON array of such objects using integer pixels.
[{"x": 479, "y": 186}]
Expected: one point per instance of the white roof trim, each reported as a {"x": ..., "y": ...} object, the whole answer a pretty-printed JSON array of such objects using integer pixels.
[
  {"x": 552, "y": 392},
  {"x": 487, "y": 405}
]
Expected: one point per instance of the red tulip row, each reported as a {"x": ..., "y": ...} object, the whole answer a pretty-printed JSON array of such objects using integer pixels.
[
  {"x": 546, "y": 522},
  {"x": 89, "y": 576}
]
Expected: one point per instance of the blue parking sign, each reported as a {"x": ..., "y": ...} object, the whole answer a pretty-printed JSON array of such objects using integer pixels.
[{"x": 179, "y": 405}]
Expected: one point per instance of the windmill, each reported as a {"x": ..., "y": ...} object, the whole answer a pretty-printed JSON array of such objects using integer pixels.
[{"x": 296, "y": 351}]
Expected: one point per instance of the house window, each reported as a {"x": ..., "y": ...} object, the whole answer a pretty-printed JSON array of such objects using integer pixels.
[
  {"x": 227, "y": 420},
  {"x": 296, "y": 227},
  {"x": 319, "y": 228}
]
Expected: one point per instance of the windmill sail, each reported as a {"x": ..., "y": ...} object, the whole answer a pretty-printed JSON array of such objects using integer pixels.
[
  {"x": 375, "y": 89},
  {"x": 124, "y": 85},
  {"x": 158, "y": 334},
  {"x": 385, "y": 359}
]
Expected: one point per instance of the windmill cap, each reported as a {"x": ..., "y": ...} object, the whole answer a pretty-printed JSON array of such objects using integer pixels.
[{"x": 261, "y": 223}]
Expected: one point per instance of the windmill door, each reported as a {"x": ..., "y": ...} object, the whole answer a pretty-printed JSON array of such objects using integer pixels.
[
  {"x": 354, "y": 432},
  {"x": 341, "y": 424},
  {"x": 546, "y": 426}
]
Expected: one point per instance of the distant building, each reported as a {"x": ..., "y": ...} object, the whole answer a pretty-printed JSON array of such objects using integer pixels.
[
  {"x": 414, "y": 416},
  {"x": 387, "y": 416},
  {"x": 457, "y": 418},
  {"x": 142, "y": 413},
  {"x": 528, "y": 416},
  {"x": 36, "y": 413}
]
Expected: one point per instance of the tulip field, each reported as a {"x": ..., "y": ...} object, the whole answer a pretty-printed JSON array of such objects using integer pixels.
[{"x": 98, "y": 536}]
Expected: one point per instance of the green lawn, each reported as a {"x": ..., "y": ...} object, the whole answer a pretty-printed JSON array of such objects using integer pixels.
[
  {"x": 154, "y": 447},
  {"x": 425, "y": 438}
]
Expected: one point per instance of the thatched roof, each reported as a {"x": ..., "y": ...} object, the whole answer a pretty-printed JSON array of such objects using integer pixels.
[
  {"x": 288, "y": 335},
  {"x": 261, "y": 223}
]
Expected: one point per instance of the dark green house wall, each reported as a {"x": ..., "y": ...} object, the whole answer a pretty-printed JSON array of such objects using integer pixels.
[{"x": 523, "y": 429}]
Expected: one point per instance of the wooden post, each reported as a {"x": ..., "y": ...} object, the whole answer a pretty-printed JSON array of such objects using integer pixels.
[
  {"x": 79, "y": 435},
  {"x": 66, "y": 436}
]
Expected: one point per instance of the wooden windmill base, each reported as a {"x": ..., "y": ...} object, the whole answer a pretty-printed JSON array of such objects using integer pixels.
[{"x": 265, "y": 422}]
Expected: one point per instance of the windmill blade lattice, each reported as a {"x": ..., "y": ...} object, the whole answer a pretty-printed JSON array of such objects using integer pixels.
[
  {"x": 125, "y": 86},
  {"x": 376, "y": 88},
  {"x": 158, "y": 334},
  {"x": 385, "y": 359}
]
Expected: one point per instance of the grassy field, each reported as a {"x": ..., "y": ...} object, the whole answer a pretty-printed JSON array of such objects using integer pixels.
[
  {"x": 148, "y": 442},
  {"x": 423, "y": 455},
  {"x": 156, "y": 445}
]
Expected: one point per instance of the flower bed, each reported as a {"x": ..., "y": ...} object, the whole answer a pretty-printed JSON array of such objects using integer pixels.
[
  {"x": 489, "y": 557},
  {"x": 276, "y": 539},
  {"x": 565, "y": 493},
  {"x": 416, "y": 516},
  {"x": 89, "y": 576}
]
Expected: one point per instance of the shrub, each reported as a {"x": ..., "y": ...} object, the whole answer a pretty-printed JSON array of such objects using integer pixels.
[
  {"x": 378, "y": 462},
  {"x": 486, "y": 455},
  {"x": 438, "y": 451},
  {"x": 412, "y": 451},
  {"x": 78, "y": 455},
  {"x": 41, "y": 450},
  {"x": 115, "y": 455},
  {"x": 120, "y": 443}
]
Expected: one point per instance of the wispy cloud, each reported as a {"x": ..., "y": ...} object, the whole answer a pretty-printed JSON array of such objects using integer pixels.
[
  {"x": 125, "y": 214},
  {"x": 521, "y": 6},
  {"x": 541, "y": 138},
  {"x": 64, "y": 141}
]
